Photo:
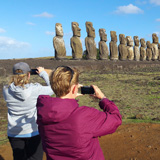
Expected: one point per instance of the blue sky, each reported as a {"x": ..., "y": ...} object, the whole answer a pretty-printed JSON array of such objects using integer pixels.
[{"x": 27, "y": 27}]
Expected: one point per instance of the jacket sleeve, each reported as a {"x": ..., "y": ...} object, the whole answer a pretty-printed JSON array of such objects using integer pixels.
[
  {"x": 45, "y": 76},
  {"x": 104, "y": 122},
  {"x": 45, "y": 90}
]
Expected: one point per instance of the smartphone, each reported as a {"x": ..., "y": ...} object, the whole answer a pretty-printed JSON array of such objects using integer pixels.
[
  {"x": 33, "y": 71},
  {"x": 87, "y": 90}
]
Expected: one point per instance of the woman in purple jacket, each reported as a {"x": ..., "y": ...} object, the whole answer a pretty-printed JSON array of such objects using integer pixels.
[{"x": 68, "y": 131}]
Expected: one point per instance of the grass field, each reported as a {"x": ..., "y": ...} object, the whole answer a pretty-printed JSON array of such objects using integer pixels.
[{"x": 136, "y": 94}]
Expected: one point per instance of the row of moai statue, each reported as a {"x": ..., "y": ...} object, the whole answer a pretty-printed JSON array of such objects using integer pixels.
[{"x": 126, "y": 50}]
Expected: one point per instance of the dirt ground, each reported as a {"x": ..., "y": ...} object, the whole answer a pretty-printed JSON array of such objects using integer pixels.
[{"x": 131, "y": 141}]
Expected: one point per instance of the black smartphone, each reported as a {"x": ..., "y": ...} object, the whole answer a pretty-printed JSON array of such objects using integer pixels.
[
  {"x": 33, "y": 71},
  {"x": 87, "y": 90}
]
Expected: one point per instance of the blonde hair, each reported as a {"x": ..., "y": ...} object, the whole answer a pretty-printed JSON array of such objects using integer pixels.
[
  {"x": 62, "y": 79},
  {"x": 19, "y": 79}
]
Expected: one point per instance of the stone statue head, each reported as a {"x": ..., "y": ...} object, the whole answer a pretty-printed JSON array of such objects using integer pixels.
[
  {"x": 102, "y": 34},
  {"x": 90, "y": 30},
  {"x": 136, "y": 40},
  {"x": 76, "y": 30},
  {"x": 143, "y": 43},
  {"x": 122, "y": 39},
  {"x": 113, "y": 36},
  {"x": 155, "y": 38},
  {"x": 149, "y": 45},
  {"x": 129, "y": 41},
  {"x": 59, "y": 29}
]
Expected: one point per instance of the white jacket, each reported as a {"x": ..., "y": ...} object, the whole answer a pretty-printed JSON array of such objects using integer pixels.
[{"x": 21, "y": 103}]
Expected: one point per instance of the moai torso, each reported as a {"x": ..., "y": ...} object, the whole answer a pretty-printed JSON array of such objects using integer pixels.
[
  {"x": 143, "y": 50},
  {"x": 154, "y": 47},
  {"x": 130, "y": 48},
  {"x": 91, "y": 50},
  {"x": 122, "y": 48},
  {"x": 149, "y": 51},
  {"x": 58, "y": 43},
  {"x": 159, "y": 51},
  {"x": 113, "y": 46},
  {"x": 103, "y": 48},
  {"x": 76, "y": 43},
  {"x": 136, "y": 49}
]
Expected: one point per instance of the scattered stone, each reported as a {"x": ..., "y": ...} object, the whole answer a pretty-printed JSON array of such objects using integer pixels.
[{"x": 157, "y": 78}]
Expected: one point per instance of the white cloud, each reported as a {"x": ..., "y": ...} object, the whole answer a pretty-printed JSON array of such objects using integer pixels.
[
  {"x": 7, "y": 43},
  {"x": 156, "y": 2},
  {"x": 158, "y": 20},
  {"x": 30, "y": 23},
  {"x": 11, "y": 48},
  {"x": 44, "y": 14},
  {"x": 130, "y": 9},
  {"x": 139, "y": 2},
  {"x": 2, "y": 30},
  {"x": 49, "y": 33}
]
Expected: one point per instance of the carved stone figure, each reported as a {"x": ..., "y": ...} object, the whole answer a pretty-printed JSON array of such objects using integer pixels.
[
  {"x": 91, "y": 50},
  {"x": 149, "y": 51},
  {"x": 143, "y": 50},
  {"x": 113, "y": 46},
  {"x": 159, "y": 51},
  {"x": 103, "y": 48},
  {"x": 76, "y": 43},
  {"x": 136, "y": 49},
  {"x": 58, "y": 42},
  {"x": 130, "y": 48},
  {"x": 122, "y": 48},
  {"x": 154, "y": 46}
]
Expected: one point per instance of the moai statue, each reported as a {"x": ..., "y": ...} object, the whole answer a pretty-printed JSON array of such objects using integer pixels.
[
  {"x": 149, "y": 51},
  {"x": 76, "y": 43},
  {"x": 159, "y": 51},
  {"x": 113, "y": 46},
  {"x": 154, "y": 46},
  {"x": 122, "y": 48},
  {"x": 130, "y": 48},
  {"x": 103, "y": 48},
  {"x": 143, "y": 49},
  {"x": 58, "y": 42},
  {"x": 91, "y": 50},
  {"x": 136, "y": 49}
]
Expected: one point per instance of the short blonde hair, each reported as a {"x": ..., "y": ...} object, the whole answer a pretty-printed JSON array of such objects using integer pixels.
[
  {"x": 19, "y": 79},
  {"x": 62, "y": 79}
]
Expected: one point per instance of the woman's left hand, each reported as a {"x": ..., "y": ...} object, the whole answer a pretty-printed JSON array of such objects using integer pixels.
[{"x": 40, "y": 69}]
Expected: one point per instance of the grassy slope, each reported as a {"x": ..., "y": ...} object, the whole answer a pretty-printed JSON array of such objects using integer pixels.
[{"x": 135, "y": 93}]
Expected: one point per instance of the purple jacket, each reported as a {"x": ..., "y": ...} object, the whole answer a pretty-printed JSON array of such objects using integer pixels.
[{"x": 70, "y": 132}]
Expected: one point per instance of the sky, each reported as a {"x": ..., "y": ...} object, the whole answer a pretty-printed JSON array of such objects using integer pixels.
[{"x": 27, "y": 27}]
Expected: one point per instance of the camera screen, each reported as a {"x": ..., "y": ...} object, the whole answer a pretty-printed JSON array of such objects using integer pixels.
[{"x": 87, "y": 90}]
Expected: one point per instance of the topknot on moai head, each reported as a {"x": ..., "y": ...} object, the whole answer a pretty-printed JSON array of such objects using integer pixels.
[
  {"x": 149, "y": 45},
  {"x": 113, "y": 36},
  {"x": 129, "y": 41},
  {"x": 122, "y": 39},
  {"x": 143, "y": 43},
  {"x": 59, "y": 29},
  {"x": 90, "y": 30},
  {"x": 76, "y": 30},
  {"x": 102, "y": 34},
  {"x": 136, "y": 40},
  {"x": 155, "y": 38}
]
